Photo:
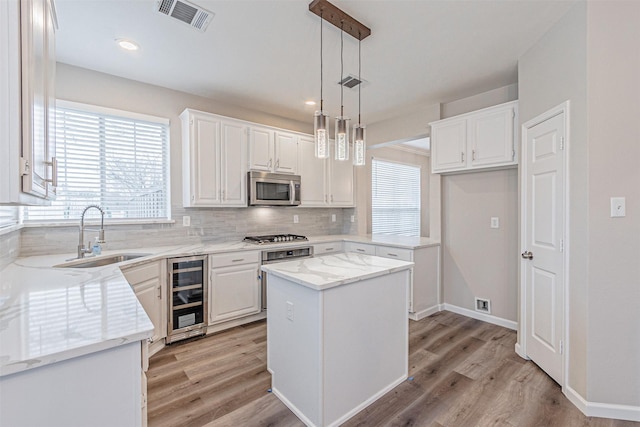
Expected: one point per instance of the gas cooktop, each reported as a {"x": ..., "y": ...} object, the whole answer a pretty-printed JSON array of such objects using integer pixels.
[{"x": 275, "y": 238}]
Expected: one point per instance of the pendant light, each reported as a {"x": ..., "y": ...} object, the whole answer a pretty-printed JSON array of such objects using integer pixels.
[
  {"x": 342, "y": 122},
  {"x": 359, "y": 141},
  {"x": 320, "y": 119}
]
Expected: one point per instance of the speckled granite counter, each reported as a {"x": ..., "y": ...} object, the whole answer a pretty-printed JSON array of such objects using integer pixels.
[{"x": 50, "y": 314}]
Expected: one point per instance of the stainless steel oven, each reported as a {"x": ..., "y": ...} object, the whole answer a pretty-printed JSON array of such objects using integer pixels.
[
  {"x": 273, "y": 189},
  {"x": 281, "y": 255}
]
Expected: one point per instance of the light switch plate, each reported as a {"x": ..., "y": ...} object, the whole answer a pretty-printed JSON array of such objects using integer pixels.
[
  {"x": 495, "y": 222},
  {"x": 618, "y": 208},
  {"x": 186, "y": 221},
  {"x": 296, "y": 219},
  {"x": 353, "y": 218},
  {"x": 333, "y": 217}
]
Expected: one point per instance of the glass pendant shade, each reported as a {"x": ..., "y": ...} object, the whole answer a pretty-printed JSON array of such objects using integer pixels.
[
  {"x": 320, "y": 132},
  {"x": 359, "y": 145},
  {"x": 342, "y": 138}
]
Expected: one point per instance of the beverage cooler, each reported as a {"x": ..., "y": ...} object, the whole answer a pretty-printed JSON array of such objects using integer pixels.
[{"x": 187, "y": 298}]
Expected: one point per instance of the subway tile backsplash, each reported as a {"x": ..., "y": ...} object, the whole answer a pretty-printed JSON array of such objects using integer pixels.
[
  {"x": 207, "y": 225},
  {"x": 9, "y": 247}
]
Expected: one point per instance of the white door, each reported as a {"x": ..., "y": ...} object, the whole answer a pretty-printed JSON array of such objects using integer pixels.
[
  {"x": 233, "y": 158},
  {"x": 260, "y": 149},
  {"x": 543, "y": 236},
  {"x": 204, "y": 153}
]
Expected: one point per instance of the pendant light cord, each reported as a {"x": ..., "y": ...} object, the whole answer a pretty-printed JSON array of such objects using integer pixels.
[
  {"x": 359, "y": 75},
  {"x": 341, "y": 67},
  {"x": 321, "y": 99}
]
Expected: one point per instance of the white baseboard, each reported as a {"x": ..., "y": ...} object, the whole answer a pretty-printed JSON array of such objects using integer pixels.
[
  {"x": 602, "y": 410},
  {"x": 419, "y": 315},
  {"x": 520, "y": 353},
  {"x": 509, "y": 324}
]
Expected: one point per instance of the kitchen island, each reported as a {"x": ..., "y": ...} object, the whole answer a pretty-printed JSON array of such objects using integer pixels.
[{"x": 337, "y": 333}]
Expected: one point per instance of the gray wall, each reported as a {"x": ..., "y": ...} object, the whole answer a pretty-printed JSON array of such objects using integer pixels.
[
  {"x": 613, "y": 106},
  {"x": 592, "y": 58},
  {"x": 215, "y": 224},
  {"x": 478, "y": 261},
  {"x": 551, "y": 72}
]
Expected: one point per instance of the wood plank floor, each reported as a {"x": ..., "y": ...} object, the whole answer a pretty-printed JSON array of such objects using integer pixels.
[{"x": 465, "y": 373}]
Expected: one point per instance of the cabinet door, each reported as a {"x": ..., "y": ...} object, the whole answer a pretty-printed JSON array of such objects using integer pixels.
[
  {"x": 260, "y": 149},
  {"x": 235, "y": 292},
  {"x": 233, "y": 158},
  {"x": 38, "y": 107},
  {"x": 313, "y": 173},
  {"x": 341, "y": 183},
  {"x": 150, "y": 294},
  {"x": 286, "y": 153},
  {"x": 203, "y": 145},
  {"x": 491, "y": 137},
  {"x": 448, "y": 145}
]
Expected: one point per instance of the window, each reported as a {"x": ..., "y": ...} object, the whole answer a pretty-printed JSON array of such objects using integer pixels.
[
  {"x": 8, "y": 216},
  {"x": 395, "y": 198},
  {"x": 115, "y": 159}
]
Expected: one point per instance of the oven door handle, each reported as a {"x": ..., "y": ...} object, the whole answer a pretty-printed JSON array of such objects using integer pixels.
[{"x": 292, "y": 192}]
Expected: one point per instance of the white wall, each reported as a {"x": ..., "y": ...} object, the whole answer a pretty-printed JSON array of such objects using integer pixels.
[
  {"x": 592, "y": 58},
  {"x": 213, "y": 224},
  {"x": 549, "y": 73},
  {"x": 613, "y": 99},
  {"x": 478, "y": 261}
]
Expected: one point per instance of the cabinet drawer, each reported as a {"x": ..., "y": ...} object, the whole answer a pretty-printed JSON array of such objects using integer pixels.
[
  {"x": 327, "y": 248},
  {"x": 360, "y": 248},
  {"x": 234, "y": 258},
  {"x": 394, "y": 253},
  {"x": 142, "y": 273}
]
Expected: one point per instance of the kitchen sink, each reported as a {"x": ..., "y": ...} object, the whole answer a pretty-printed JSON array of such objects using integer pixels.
[{"x": 100, "y": 261}]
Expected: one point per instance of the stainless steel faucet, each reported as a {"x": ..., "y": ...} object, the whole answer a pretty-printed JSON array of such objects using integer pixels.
[{"x": 81, "y": 248}]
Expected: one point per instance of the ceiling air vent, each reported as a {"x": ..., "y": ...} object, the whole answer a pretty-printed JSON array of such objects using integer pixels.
[
  {"x": 352, "y": 82},
  {"x": 187, "y": 12}
]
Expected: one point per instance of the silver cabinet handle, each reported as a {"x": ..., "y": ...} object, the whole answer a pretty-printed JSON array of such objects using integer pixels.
[
  {"x": 462, "y": 157},
  {"x": 527, "y": 255},
  {"x": 359, "y": 250},
  {"x": 54, "y": 171},
  {"x": 292, "y": 192},
  {"x": 328, "y": 249},
  {"x": 237, "y": 260},
  {"x": 332, "y": 198},
  {"x": 473, "y": 154},
  {"x": 390, "y": 254},
  {"x": 159, "y": 292},
  {"x": 270, "y": 163},
  {"x": 277, "y": 164}
]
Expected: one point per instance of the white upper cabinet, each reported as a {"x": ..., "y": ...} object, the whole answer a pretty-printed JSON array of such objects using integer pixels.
[
  {"x": 27, "y": 101},
  {"x": 313, "y": 173},
  {"x": 213, "y": 160},
  {"x": 482, "y": 139},
  {"x": 272, "y": 150},
  {"x": 325, "y": 182}
]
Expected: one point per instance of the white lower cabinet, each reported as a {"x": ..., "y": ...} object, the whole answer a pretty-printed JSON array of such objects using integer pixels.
[
  {"x": 150, "y": 286},
  {"x": 234, "y": 286},
  {"x": 360, "y": 248},
  {"x": 424, "y": 289},
  {"x": 327, "y": 248}
]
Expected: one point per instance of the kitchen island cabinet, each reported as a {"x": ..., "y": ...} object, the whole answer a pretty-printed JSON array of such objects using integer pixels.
[{"x": 337, "y": 333}]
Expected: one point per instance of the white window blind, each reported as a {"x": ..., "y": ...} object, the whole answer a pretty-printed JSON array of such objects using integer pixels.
[
  {"x": 8, "y": 216},
  {"x": 115, "y": 159},
  {"x": 395, "y": 198}
]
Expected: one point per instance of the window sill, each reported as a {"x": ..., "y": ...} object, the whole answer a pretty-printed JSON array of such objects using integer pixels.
[{"x": 93, "y": 221}]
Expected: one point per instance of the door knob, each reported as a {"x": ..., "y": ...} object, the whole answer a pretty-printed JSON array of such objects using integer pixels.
[{"x": 527, "y": 255}]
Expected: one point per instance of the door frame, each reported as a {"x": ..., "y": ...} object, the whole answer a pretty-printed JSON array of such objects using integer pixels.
[{"x": 521, "y": 345}]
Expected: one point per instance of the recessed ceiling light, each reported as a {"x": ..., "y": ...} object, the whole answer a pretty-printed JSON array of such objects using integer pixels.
[
  {"x": 310, "y": 102},
  {"x": 127, "y": 44}
]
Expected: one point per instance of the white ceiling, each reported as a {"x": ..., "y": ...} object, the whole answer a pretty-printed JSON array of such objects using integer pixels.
[{"x": 264, "y": 54}]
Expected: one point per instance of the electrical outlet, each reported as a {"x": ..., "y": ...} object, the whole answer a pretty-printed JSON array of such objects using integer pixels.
[
  {"x": 618, "y": 207},
  {"x": 290, "y": 310},
  {"x": 296, "y": 219},
  {"x": 333, "y": 217},
  {"x": 186, "y": 221},
  {"x": 353, "y": 218},
  {"x": 495, "y": 222}
]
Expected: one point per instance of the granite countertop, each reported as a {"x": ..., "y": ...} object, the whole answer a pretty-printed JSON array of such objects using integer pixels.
[
  {"x": 52, "y": 314},
  {"x": 328, "y": 271}
]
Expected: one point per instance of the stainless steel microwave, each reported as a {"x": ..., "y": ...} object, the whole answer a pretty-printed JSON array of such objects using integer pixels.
[{"x": 273, "y": 189}]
